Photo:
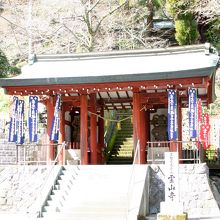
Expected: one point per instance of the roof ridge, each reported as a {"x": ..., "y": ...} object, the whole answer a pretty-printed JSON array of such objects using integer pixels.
[{"x": 142, "y": 52}]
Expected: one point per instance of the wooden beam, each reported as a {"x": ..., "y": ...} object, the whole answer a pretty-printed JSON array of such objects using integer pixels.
[{"x": 110, "y": 86}]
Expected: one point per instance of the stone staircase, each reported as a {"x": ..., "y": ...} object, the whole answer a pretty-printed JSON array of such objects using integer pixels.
[
  {"x": 123, "y": 146},
  {"x": 94, "y": 192},
  {"x": 64, "y": 182}
]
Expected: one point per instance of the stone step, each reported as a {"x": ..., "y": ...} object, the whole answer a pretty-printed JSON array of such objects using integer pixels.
[
  {"x": 117, "y": 153},
  {"x": 126, "y": 146},
  {"x": 85, "y": 216},
  {"x": 116, "y": 162},
  {"x": 122, "y": 147},
  {"x": 107, "y": 200},
  {"x": 121, "y": 151},
  {"x": 124, "y": 136},
  {"x": 124, "y": 140},
  {"x": 120, "y": 157}
]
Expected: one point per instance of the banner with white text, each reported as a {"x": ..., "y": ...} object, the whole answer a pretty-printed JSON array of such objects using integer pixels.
[
  {"x": 20, "y": 122},
  {"x": 13, "y": 121},
  {"x": 33, "y": 118},
  {"x": 54, "y": 133},
  {"x": 172, "y": 115},
  {"x": 192, "y": 112}
]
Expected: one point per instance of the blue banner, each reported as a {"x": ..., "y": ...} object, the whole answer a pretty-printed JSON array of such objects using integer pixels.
[
  {"x": 54, "y": 133},
  {"x": 172, "y": 115},
  {"x": 20, "y": 122},
  {"x": 192, "y": 112},
  {"x": 33, "y": 118},
  {"x": 13, "y": 121}
]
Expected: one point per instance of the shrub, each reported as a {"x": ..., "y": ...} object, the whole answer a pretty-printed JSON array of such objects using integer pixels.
[{"x": 186, "y": 30}]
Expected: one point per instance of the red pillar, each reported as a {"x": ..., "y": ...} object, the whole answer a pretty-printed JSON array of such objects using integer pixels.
[
  {"x": 93, "y": 129},
  {"x": 50, "y": 113},
  {"x": 84, "y": 129},
  {"x": 142, "y": 137},
  {"x": 101, "y": 136},
  {"x": 61, "y": 135},
  {"x": 137, "y": 125},
  {"x": 147, "y": 121}
]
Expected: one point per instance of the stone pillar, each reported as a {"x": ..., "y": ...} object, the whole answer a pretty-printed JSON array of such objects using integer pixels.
[
  {"x": 93, "y": 130},
  {"x": 84, "y": 128}
]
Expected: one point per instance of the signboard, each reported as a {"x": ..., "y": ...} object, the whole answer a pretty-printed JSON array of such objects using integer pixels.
[
  {"x": 33, "y": 118},
  {"x": 192, "y": 113},
  {"x": 171, "y": 177},
  {"x": 172, "y": 115},
  {"x": 13, "y": 121},
  {"x": 214, "y": 131},
  {"x": 54, "y": 134}
]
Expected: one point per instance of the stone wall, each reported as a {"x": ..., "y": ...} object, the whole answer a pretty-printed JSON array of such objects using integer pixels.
[
  {"x": 11, "y": 154},
  {"x": 8, "y": 152},
  {"x": 20, "y": 186},
  {"x": 195, "y": 191}
]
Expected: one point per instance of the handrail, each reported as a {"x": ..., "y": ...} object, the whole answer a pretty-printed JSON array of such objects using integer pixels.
[
  {"x": 190, "y": 151},
  {"x": 132, "y": 175},
  {"x": 41, "y": 200},
  {"x": 25, "y": 149}
]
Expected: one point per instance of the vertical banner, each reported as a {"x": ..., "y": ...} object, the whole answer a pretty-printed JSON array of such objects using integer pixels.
[
  {"x": 13, "y": 121},
  {"x": 54, "y": 133},
  {"x": 192, "y": 113},
  {"x": 20, "y": 122},
  {"x": 33, "y": 118},
  {"x": 205, "y": 130},
  {"x": 199, "y": 111},
  {"x": 172, "y": 115}
]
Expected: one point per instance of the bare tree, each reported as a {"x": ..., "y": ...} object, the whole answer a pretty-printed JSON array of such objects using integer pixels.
[
  {"x": 73, "y": 26},
  {"x": 207, "y": 8}
]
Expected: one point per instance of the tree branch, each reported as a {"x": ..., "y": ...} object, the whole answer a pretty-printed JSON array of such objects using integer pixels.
[{"x": 11, "y": 23}]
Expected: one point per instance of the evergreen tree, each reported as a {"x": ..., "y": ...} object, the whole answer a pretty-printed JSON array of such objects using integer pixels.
[
  {"x": 185, "y": 23},
  {"x": 5, "y": 68},
  {"x": 4, "y": 65}
]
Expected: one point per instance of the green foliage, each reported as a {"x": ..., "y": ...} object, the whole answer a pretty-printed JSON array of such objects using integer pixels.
[
  {"x": 13, "y": 70},
  {"x": 4, "y": 102},
  {"x": 5, "y": 68},
  {"x": 127, "y": 3},
  {"x": 178, "y": 8},
  {"x": 4, "y": 65},
  {"x": 159, "y": 3},
  {"x": 156, "y": 3},
  {"x": 142, "y": 2},
  {"x": 185, "y": 24},
  {"x": 186, "y": 31},
  {"x": 213, "y": 34},
  {"x": 111, "y": 143}
]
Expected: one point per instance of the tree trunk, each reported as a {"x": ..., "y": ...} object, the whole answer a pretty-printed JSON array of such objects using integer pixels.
[{"x": 150, "y": 16}]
